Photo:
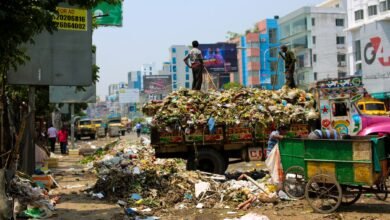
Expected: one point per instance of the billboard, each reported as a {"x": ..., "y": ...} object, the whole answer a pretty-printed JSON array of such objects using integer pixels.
[
  {"x": 375, "y": 50},
  {"x": 63, "y": 58},
  {"x": 70, "y": 94},
  {"x": 128, "y": 96},
  {"x": 220, "y": 57},
  {"x": 108, "y": 14},
  {"x": 157, "y": 84}
]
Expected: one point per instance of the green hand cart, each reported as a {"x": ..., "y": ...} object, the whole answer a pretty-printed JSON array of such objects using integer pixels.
[{"x": 330, "y": 173}]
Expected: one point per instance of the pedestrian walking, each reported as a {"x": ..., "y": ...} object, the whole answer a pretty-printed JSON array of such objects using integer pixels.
[
  {"x": 289, "y": 63},
  {"x": 138, "y": 127},
  {"x": 63, "y": 139},
  {"x": 52, "y": 134},
  {"x": 196, "y": 64}
]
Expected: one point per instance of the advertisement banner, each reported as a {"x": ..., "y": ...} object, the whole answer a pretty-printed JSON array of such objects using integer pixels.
[
  {"x": 157, "y": 84},
  {"x": 375, "y": 50},
  {"x": 108, "y": 14},
  {"x": 128, "y": 96},
  {"x": 220, "y": 57},
  {"x": 72, "y": 19}
]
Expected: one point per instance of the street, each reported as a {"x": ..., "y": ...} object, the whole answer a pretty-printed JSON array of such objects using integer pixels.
[{"x": 75, "y": 203}]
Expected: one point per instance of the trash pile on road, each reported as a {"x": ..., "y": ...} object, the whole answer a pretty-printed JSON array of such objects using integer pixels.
[
  {"x": 189, "y": 107},
  {"x": 130, "y": 175}
]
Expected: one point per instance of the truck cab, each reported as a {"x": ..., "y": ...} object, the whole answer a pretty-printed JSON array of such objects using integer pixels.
[
  {"x": 85, "y": 128},
  {"x": 338, "y": 106}
]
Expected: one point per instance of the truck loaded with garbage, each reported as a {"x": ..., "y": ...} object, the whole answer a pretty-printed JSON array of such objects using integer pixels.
[{"x": 208, "y": 129}]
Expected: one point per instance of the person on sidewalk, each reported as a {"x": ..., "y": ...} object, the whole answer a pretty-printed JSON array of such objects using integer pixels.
[
  {"x": 289, "y": 62},
  {"x": 63, "y": 139},
  {"x": 138, "y": 127},
  {"x": 52, "y": 134},
  {"x": 196, "y": 64}
]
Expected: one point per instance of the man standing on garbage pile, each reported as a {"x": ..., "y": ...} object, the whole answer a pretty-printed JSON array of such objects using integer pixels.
[
  {"x": 274, "y": 138},
  {"x": 327, "y": 134},
  {"x": 138, "y": 127},
  {"x": 63, "y": 139},
  {"x": 289, "y": 62},
  {"x": 196, "y": 61},
  {"x": 52, "y": 134}
]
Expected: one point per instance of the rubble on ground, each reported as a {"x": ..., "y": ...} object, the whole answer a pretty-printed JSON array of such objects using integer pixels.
[
  {"x": 189, "y": 107},
  {"x": 130, "y": 175}
]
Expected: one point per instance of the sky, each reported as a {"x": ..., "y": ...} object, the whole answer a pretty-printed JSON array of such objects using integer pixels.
[{"x": 150, "y": 27}]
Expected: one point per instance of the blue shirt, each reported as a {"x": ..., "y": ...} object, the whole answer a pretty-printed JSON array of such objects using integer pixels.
[
  {"x": 138, "y": 126},
  {"x": 273, "y": 141}
]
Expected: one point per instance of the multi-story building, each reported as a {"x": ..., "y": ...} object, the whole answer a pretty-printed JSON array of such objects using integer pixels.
[
  {"x": 242, "y": 76},
  {"x": 147, "y": 70},
  {"x": 113, "y": 89},
  {"x": 134, "y": 80},
  {"x": 316, "y": 36},
  {"x": 166, "y": 69},
  {"x": 369, "y": 40},
  {"x": 181, "y": 76},
  {"x": 271, "y": 68}
]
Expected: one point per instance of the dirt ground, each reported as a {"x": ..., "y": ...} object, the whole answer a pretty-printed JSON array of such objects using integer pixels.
[{"x": 75, "y": 204}]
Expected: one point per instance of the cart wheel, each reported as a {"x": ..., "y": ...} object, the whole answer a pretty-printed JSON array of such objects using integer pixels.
[
  {"x": 350, "y": 195},
  {"x": 323, "y": 193},
  {"x": 381, "y": 190},
  {"x": 294, "y": 182}
]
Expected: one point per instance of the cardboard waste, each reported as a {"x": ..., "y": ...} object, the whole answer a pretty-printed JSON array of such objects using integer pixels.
[
  {"x": 132, "y": 174},
  {"x": 192, "y": 108}
]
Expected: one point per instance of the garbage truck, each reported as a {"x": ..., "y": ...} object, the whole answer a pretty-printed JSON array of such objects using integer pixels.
[{"x": 210, "y": 151}]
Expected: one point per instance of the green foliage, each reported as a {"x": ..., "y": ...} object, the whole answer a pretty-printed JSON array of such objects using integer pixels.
[
  {"x": 138, "y": 120},
  {"x": 231, "y": 85}
]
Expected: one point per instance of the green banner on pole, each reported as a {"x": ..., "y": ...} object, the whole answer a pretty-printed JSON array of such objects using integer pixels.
[{"x": 108, "y": 14}]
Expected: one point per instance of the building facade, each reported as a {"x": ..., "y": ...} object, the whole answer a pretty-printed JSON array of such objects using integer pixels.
[
  {"x": 316, "y": 36},
  {"x": 271, "y": 68},
  {"x": 134, "y": 79},
  {"x": 369, "y": 40},
  {"x": 147, "y": 70},
  {"x": 181, "y": 74},
  {"x": 166, "y": 69}
]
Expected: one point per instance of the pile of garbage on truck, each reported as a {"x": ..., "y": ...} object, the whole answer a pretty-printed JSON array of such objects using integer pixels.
[
  {"x": 130, "y": 175},
  {"x": 189, "y": 107}
]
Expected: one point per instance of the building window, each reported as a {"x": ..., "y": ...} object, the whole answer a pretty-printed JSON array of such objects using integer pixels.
[
  {"x": 341, "y": 60},
  {"x": 313, "y": 22},
  {"x": 150, "y": 68},
  {"x": 150, "y": 73},
  {"x": 314, "y": 58},
  {"x": 314, "y": 39},
  {"x": 174, "y": 69},
  {"x": 173, "y": 60},
  {"x": 372, "y": 10},
  {"x": 388, "y": 4},
  {"x": 340, "y": 22},
  {"x": 174, "y": 76},
  {"x": 358, "y": 52},
  {"x": 273, "y": 52},
  {"x": 274, "y": 66},
  {"x": 342, "y": 74},
  {"x": 187, "y": 69},
  {"x": 173, "y": 50},
  {"x": 359, "y": 15},
  {"x": 340, "y": 40},
  {"x": 382, "y": 6},
  {"x": 187, "y": 85},
  {"x": 358, "y": 69},
  {"x": 187, "y": 77},
  {"x": 315, "y": 76},
  {"x": 174, "y": 86},
  {"x": 273, "y": 36}
]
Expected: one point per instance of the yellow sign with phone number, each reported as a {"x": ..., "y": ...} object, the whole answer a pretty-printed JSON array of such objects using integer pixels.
[{"x": 71, "y": 19}]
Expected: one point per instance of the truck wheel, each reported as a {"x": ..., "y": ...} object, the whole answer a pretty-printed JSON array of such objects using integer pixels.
[
  {"x": 209, "y": 160},
  {"x": 93, "y": 137},
  {"x": 78, "y": 137},
  {"x": 123, "y": 133}
]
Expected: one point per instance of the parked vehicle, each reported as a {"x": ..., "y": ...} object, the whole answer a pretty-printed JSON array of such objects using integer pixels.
[
  {"x": 371, "y": 106},
  {"x": 85, "y": 128}
]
